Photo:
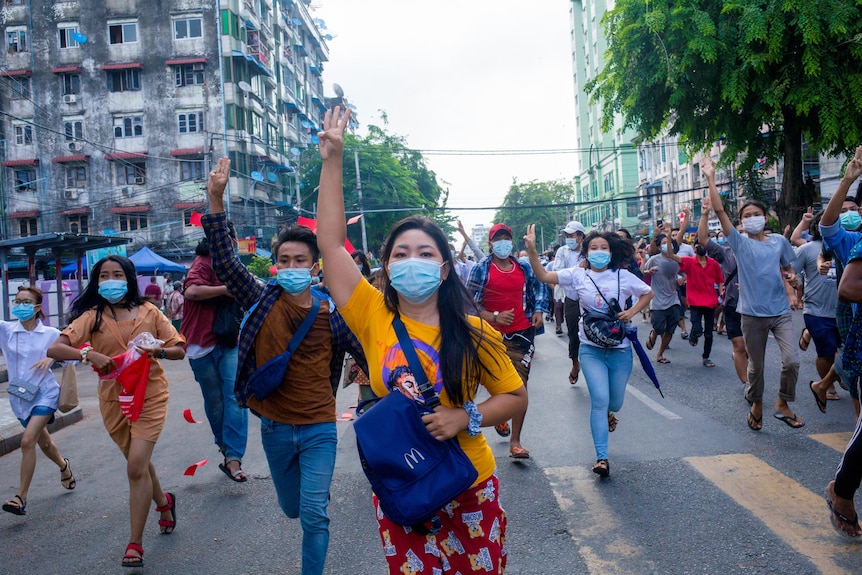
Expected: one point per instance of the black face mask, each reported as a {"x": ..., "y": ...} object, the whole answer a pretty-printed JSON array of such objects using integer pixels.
[{"x": 700, "y": 250}]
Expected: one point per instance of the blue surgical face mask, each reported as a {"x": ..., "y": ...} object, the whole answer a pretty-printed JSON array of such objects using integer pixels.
[
  {"x": 721, "y": 241},
  {"x": 294, "y": 280},
  {"x": 415, "y": 279},
  {"x": 572, "y": 243},
  {"x": 24, "y": 311},
  {"x": 599, "y": 258},
  {"x": 850, "y": 220},
  {"x": 502, "y": 248},
  {"x": 664, "y": 248},
  {"x": 113, "y": 290}
]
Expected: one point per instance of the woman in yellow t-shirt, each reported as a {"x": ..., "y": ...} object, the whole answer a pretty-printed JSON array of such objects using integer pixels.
[{"x": 458, "y": 351}]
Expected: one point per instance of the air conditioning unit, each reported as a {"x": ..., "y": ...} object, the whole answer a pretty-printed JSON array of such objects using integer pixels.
[
  {"x": 70, "y": 99},
  {"x": 139, "y": 181},
  {"x": 71, "y": 194},
  {"x": 74, "y": 146},
  {"x": 199, "y": 67}
]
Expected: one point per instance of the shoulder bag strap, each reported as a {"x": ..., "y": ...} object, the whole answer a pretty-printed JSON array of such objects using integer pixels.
[
  {"x": 424, "y": 386},
  {"x": 598, "y": 291},
  {"x": 730, "y": 277},
  {"x": 304, "y": 326}
]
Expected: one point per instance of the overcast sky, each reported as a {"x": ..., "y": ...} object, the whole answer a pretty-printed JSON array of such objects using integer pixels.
[{"x": 461, "y": 75}]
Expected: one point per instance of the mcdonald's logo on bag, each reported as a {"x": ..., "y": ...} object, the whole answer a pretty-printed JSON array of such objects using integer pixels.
[{"x": 412, "y": 457}]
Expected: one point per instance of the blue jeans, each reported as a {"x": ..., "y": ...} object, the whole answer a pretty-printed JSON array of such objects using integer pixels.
[
  {"x": 216, "y": 374},
  {"x": 607, "y": 372},
  {"x": 301, "y": 461}
]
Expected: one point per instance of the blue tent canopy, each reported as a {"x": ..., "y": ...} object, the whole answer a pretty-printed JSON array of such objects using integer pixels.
[
  {"x": 149, "y": 262},
  {"x": 72, "y": 268}
]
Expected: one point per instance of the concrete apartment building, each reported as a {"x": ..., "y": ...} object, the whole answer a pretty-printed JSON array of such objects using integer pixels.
[{"x": 113, "y": 111}]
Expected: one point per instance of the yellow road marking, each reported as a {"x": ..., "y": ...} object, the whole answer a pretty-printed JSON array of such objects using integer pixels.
[
  {"x": 791, "y": 511},
  {"x": 837, "y": 441},
  {"x": 592, "y": 519}
]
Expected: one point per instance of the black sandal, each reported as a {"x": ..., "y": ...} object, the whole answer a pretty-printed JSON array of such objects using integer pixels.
[
  {"x": 14, "y": 507},
  {"x": 68, "y": 482},
  {"x": 602, "y": 468}
]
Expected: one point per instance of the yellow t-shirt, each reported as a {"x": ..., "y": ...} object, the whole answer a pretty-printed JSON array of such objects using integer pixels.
[{"x": 367, "y": 316}]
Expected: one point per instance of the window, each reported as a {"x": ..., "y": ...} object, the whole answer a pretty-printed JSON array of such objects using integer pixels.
[
  {"x": 71, "y": 84},
  {"x": 76, "y": 177},
  {"x": 190, "y": 122},
  {"x": 187, "y": 218},
  {"x": 28, "y": 227},
  {"x": 256, "y": 125},
  {"x": 79, "y": 224},
  {"x": 188, "y": 28},
  {"x": 19, "y": 87},
  {"x": 67, "y": 37},
  {"x": 131, "y": 173},
  {"x": 25, "y": 180},
  {"x": 132, "y": 222},
  {"x": 663, "y": 154},
  {"x": 16, "y": 41},
  {"x": 189, "y": 74},
  {"x": 191, "y": 170},
  {"x": 123, "y": 33},
  {"x": 74, "y": 130},
  {"x": 631, "y": 208},
  {"x": 23, "y": 135},
  {"x": 124, "y": 80},
  {"x": 128, "y": 127}
]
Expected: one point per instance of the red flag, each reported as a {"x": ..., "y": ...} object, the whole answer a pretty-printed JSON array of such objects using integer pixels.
[
  {"x": 307, "y": 222},
  {"x": 191, "y": 469},
  {"x": 187, "y": 415},
  {"x": 195, "y": 219},
  {"x": 133, "y": 380},
  {"x": 354, "y": 219}
]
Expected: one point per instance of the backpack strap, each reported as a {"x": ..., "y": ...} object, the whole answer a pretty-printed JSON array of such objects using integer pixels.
[{"x": 424, "y": 386}]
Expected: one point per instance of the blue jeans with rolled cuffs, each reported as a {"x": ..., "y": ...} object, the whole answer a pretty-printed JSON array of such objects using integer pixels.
[
  {"x": 607, "y": 372},
  {"x": 216, "y": 373},
  {"x": 301, "y": 461}
]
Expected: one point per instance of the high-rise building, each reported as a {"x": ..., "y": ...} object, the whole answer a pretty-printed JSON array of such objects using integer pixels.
[
  {"x": 606, "y": 179},
  {"x": 112, "y": 113}
]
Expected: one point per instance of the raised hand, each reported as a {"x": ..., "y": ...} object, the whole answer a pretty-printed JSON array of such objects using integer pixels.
[
  {"x": 705, "y": 205},
  {"x": 217, "y": 183},
  {"x": 707, "y": 168},
  {"x": 854, "y": 166},
  {"x": 530, "y": 238},
  {"x": 331, "y": 140},
  {"x": 808, "y": 216},
  {"x": 461, "y": 229}
]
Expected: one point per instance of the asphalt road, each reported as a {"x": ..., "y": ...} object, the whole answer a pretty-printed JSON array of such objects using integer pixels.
[{"x": 692, "y": 489}]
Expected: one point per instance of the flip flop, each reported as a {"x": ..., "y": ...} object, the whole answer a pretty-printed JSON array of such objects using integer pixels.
[
  {"x": 503, "y": 430},
  {"x": 650, "y": 342},
  {"x": 708, "y": 363},
  {"x": 804, "y": 341},
  {"x": 663, "y": 360},
  {"x": 832, "y": 396},
  {"x": 754, "y": 423},
  {"x": 519, "y": 453},
  {"x": 573, "y": 376},
  {"x": 835, "y": 517},
  {"x": 235, "y": 475},
  {"x": 821, "y": 405},
  {"x": 789, "y": 420}
]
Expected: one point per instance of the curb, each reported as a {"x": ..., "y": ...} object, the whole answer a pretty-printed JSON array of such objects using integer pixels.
[{"x": 13, "y": 442}]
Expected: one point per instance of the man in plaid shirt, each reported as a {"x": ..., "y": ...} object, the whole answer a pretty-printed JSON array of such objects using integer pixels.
[{"x": 297, "y": 419}]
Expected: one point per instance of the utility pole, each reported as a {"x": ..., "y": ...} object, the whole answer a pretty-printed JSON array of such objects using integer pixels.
[{"x": 359, "y": 199}]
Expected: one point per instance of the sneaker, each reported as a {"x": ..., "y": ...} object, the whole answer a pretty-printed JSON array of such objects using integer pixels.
[{"x": 503, "y": 430}]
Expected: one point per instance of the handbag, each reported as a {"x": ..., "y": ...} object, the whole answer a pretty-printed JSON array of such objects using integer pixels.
[
  {"x": 269, "y": 376},
  {"x": 605, "y": 329},
  {"x": 20, "y": 388},
  {"x": 413, "y": 474},
  {"x": 68, "y": 388}
]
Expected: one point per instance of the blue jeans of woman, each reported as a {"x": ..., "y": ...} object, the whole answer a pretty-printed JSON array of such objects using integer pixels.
[
  {"x": 301, "y": 461},
  {"x": 607, "y": 371},
  {"x": 216, "y": 373}
]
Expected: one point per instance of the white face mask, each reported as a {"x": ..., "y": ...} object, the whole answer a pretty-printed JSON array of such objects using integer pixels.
[{"x": 754, "y": 224}]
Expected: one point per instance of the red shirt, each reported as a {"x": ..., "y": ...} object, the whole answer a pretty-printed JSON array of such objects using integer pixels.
[
  {"x": 505, "y": 291},
  {"x": 199, "y": 316},
  {"x": 154, "y": 292},
  {"x": 701, "y": 280}
]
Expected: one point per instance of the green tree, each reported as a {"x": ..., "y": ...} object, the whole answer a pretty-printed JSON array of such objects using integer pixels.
[
  {"x": 260, "y": 267},
  {"x": 535, "y": 202},
  {"x": 395, "y": 180},
  {"x": 763, "y": 73}
]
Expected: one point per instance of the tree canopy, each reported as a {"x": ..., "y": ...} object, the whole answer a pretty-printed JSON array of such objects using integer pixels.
[
  {"x": 526, "y": 204},
  {"x": 764, "y": 74},
  {"x": 394, "y": 179}
]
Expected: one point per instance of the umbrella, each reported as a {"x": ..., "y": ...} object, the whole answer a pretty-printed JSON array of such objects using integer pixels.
[{"x": 632, "y": 334}]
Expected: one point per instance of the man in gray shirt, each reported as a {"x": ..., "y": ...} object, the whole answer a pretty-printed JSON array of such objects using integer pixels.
[{"x": 665, "y": 308}]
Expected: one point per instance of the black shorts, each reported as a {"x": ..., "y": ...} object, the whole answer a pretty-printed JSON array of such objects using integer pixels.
[
  {"x": 665, "y": 320},
  {"x": 732, "y": 322}
]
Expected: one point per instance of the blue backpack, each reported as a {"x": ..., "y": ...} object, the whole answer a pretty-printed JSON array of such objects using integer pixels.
[{"x": 413, "y": 474}]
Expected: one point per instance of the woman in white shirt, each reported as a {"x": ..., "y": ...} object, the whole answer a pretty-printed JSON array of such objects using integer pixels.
[
  {"x": 24, "y": 344},
  {"x": 606, "y": 369}
]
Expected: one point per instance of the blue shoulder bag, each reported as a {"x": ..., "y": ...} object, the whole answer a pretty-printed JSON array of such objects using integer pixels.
[
  {"x": 269, "y": 376},
  {"x": 413, "y": 475}
]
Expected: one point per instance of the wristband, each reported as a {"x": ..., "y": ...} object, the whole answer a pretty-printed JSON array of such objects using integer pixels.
[
  {"x": 84, "y": 352},
  {"x": 474, "y": 427}
]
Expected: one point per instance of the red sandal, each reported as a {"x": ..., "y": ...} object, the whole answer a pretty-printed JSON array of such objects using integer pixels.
[
  {"x": 171, "y": 506},
  {"x": 132, "y": 560}
]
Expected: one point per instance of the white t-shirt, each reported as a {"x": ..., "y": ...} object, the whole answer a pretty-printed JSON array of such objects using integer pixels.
[
  {"x": 610, "y": 282},
  {"x": 567, "y": 258},
  {"x": 685, "y": 251}
]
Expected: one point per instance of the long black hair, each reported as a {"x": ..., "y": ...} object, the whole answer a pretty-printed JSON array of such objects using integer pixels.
[
  {"x": 622, "y": 250},
  {"x": 363, "y": 261},
  {"x": 459, "y": 341},
  {"x": 91, "y": 299}
]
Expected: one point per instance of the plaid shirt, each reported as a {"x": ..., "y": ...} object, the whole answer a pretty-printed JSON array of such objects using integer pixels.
[
  {"x": 535, "y": 292},
  {"x": 242, "y": 284}
]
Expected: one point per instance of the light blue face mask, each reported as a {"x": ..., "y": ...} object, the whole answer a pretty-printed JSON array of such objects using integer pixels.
[
  {"x": 572, "y": 243},
  {"x": 502, "y": 248},
  {"x": 850, "y": 220},
  {"x": 415, "y": 279},
  {"x": 24, "y": 311},
  {"x": 664, "y": 248},
  {"x": 599, "y": 259},
  {"x": 294, "y": 280},
  {"x": 113, "y": 290}
]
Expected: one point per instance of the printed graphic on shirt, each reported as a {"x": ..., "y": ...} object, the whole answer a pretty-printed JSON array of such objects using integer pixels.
[{"x": 398, "y": 375}]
